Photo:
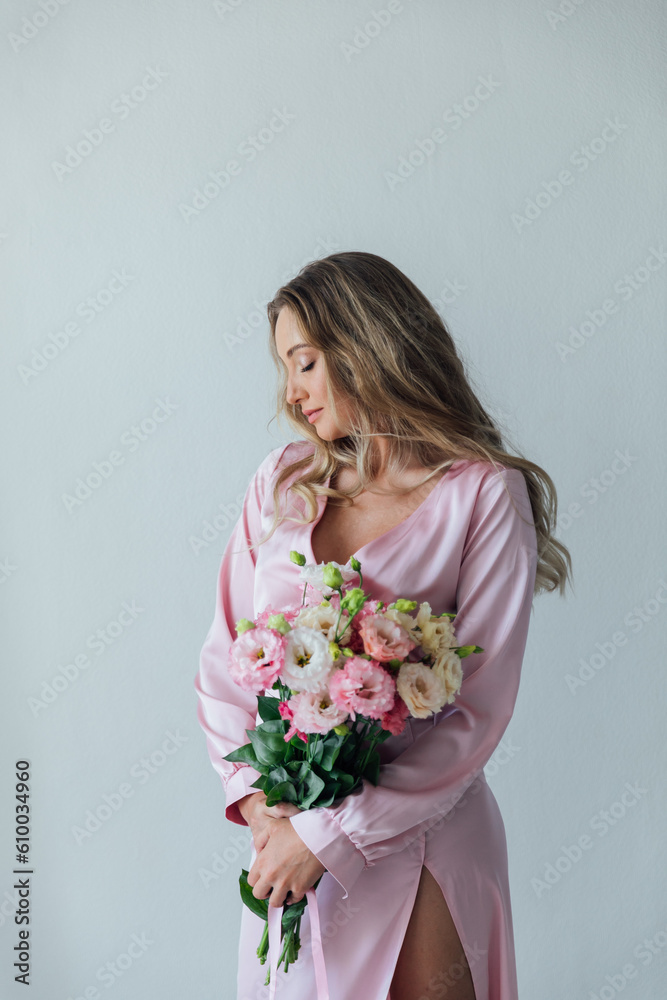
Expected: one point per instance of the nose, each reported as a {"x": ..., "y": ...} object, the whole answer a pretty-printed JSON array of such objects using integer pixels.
[{"x": 293, "y": 392}]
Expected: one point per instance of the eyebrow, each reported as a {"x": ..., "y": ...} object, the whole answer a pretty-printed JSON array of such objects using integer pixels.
[{"x": 296, "y": 348}]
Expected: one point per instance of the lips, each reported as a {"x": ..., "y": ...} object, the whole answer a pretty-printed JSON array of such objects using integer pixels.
[{"x": 312, "y": 414}]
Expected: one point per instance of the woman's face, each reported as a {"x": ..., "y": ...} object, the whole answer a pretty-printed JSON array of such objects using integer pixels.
[{"x": 306, "y": 382}]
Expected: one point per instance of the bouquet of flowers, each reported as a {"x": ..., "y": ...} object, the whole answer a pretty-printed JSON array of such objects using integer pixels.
[{"x": 344, "y": 675}]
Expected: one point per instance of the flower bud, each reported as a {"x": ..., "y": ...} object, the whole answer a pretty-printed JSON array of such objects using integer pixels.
[
  {"x": 404, "y": 605},
  {"x": 244, "y": 625},
  {"x": 332, "y": 577},
  {"x": 279, "y": 623},
  {"x": 297, "y": 557},
  {"x": 353, "y": 600}
]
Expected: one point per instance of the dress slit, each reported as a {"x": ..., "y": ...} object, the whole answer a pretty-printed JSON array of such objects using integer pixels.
[{"x": 456, "y": 920}]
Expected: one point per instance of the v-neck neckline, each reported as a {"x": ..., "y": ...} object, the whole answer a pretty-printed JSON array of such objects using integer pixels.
[{"x": 322, "y": 502}]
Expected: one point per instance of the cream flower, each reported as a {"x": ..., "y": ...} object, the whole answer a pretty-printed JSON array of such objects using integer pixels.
[
  {"x": 422, "y": 690},
  {"x": 307, "y": 660},
  {"x": 437, "y": 634},
  {"x": 402, "y": 618},
  {"x": 447, "y": 666}
]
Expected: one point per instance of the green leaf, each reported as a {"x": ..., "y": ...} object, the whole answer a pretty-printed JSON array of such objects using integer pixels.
[
  {"x": 331, "y": 748},
  {"x": 276, "y": 775},
  {"x": 463, "y": 651},
  {"x": 244, "y": 754},
  {"x": 372, "y": 769},
  {"x": 268, "y": 742},
  {"x": 268, "y": 707},
  {"x": 258, "y": 906},
  {"x": 316, "y": 748},
  {"x": 312, "y": 786},
  {"x": 284, "y": 791},
  {"x": 292, "y": 914}
]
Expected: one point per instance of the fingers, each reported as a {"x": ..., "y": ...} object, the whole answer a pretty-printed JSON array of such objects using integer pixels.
[
  {"x": 283, "y": 809},
  {"x": 294, "y": 898}
]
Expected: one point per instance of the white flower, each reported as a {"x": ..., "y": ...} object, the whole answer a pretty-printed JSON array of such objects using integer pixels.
[
  {"x": 313, "y": 573},
  {"x": 422, "y": 690},
  {"x": 323, "y": 618},
  {"x": 307, "y": 660},
  {"x": 447, "y": 666}
]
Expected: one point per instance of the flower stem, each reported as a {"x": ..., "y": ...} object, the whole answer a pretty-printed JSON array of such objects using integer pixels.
[{"x": 264, "y": 945}]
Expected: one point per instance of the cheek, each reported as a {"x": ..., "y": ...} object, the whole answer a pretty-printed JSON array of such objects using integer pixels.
[{"x": 320, "y": 387}]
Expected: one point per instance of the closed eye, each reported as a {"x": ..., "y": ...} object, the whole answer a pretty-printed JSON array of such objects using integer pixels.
[{"x": 308, "y": 367}]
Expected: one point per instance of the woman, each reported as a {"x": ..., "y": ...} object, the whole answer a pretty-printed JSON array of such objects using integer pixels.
[{"x": 398, "y": 464}]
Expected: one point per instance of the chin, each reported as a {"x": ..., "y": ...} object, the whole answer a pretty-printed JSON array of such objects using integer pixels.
[{"x": 326, "y": 431}]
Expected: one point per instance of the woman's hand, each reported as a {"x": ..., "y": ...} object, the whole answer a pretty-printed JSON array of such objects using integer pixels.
[
  {"x": 260, "y": 817},
  {"x": 284, "y": 866}
]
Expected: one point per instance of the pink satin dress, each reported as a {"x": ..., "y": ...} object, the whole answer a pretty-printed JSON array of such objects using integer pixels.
[{"x": 470, "y": 547}]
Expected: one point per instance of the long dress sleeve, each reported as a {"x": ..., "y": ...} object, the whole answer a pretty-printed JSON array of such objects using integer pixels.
[
  {"x": 225, "y": 710},
  {"x": 493, "y": 603}
]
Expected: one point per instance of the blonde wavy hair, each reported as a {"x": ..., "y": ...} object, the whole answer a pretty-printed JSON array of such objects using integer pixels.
[{"x": 386, "y": 348}]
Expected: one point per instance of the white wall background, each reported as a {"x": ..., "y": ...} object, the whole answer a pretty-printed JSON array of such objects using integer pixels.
[{"x": 559, "y": 306}]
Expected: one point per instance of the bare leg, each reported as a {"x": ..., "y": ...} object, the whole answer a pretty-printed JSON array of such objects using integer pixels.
[{"x": 431, "y": 963}]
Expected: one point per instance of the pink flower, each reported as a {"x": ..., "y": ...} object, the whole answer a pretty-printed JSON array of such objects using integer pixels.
[
  {"x": 394, "y": 720},
  {"x": 256, "y": 659},
  {"x": 316, "y": 713},
  {"x": 286, "y": 712},
  {"x": 385, "y": 639},
  {"x": 290, "y": 611},
  {"x": 362, "y": 686}
]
